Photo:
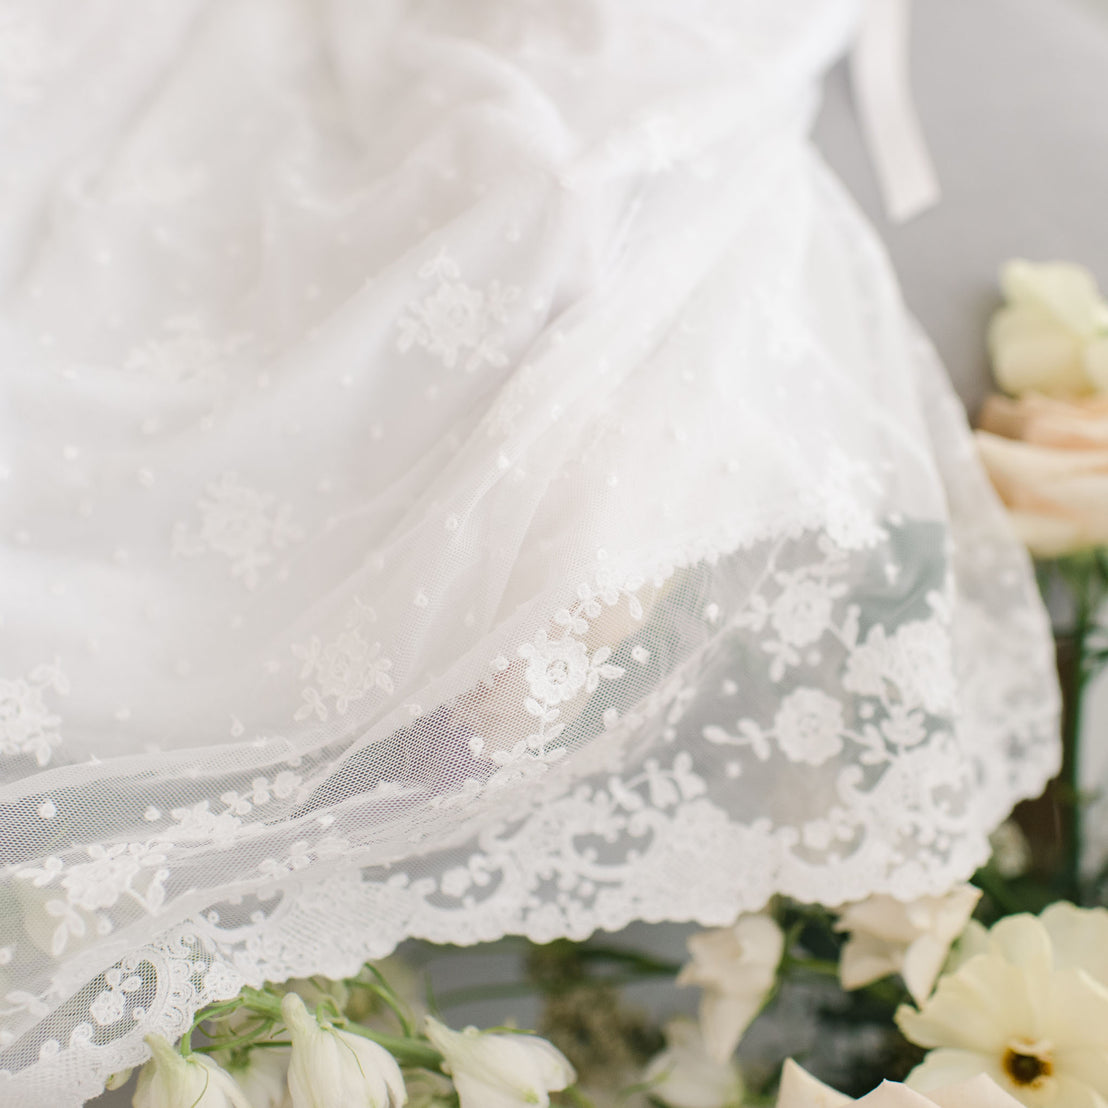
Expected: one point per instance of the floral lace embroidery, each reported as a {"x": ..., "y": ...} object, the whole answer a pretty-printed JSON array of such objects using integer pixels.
[
  {"x": 633, "y": 831},
  {"x": 243, "y": 525},
  {"x": 457, "y": 321},
  {"x": 27, "y": 724},
  {"x": 110, "y": 1006},
  {"x": 186, "y": 353},
  {"x": 344, "y": 670},
  {"x": 138, "y": 871}
]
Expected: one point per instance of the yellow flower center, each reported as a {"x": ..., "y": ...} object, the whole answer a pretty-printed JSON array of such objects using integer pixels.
[{"x": 1028, "y": 1064}]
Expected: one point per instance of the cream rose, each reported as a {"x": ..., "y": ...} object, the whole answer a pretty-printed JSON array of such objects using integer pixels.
[
  {"x": 1048, "y": 460},
  {"x": 1052, "y": 334}
]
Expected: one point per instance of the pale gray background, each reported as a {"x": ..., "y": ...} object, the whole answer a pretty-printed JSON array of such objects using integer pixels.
[{"x": 1013, "y": 95}]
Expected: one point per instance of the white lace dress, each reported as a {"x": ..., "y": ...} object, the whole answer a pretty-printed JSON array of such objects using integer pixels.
[{"x": 467, "y": 470}]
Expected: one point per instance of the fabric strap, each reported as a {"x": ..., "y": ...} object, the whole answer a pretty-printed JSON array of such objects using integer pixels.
[{"x": 890, "y": 124}]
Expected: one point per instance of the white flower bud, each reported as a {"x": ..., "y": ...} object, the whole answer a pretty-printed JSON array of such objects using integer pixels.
[
  {"x": 685, "y": 1075},
  {"x": 330, "y": 1068},
  {"x": 736, "y": 967},
  {"x": 500, "y": 1070},
  {"x": 170, "y": 1080},
  {"x": 262, "y": 1076}
]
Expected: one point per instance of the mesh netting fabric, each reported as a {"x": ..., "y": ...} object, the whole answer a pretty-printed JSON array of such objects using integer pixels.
[{"x": 469, "y": 471}]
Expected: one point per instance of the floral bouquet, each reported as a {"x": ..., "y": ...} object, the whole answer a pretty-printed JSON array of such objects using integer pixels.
[{"x": 995, "y": 994}]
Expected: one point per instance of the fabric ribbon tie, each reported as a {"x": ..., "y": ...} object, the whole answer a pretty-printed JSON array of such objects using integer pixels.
[{"x": 888, "y": 117}]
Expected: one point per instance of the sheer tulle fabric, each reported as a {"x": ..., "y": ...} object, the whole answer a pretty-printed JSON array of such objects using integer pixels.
[{"x": 468, "y": 471}]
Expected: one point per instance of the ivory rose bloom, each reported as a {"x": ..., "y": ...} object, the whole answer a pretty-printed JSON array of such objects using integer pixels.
[
  {"x": 800, "y": 1090},
  {"x": 500, "y": 1070},
  {"x": 1048, "y": 461},
  {"x": 684, "y": 1075},
  {"x": 1027, "y": 1005},
  {"x": 736, "y": 967},
  {"x": 1052, "y": 334},
  {"x": 888, "y": 936}
]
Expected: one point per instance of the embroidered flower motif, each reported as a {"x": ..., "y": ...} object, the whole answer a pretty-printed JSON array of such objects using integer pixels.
[
  {"x": 847, "y": 517},
  {"x": 558, "y": 669},
  {"x": 186, "y": 353},
  {"x": 914, "y": 664},
  {"x": 346, "y": 670},
  {"x": 809, "y": 726},
  {"x": 802, "y": 612},
  {"x": 457, "y": 319},
  {"x": 27, "y": 725},
  {"x": 199, "y": 823},
  {"x": 241, "y": 524},
  {"x": 100, "y": 882},
  {"x": 261, "y": 792},
  {"x": 110, "y": 1006}
]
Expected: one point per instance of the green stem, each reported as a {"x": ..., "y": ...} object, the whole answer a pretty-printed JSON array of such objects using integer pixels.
[
  {"x": 574, "y": 1096},
  {"x": 653, "y": 967},
  {"x": 408, "y": 1052},
  {"x": 989, "y": 882},
  {"x": 469, "y": 994},
  {"x": 240, "y": 1040},
  {"x": 381, "y": 989},
  {"x": 1074, "y": 681},
  {"x": 822, "y": 966}
]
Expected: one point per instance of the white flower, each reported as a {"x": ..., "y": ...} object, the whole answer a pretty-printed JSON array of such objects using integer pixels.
[
  {"x": 557, "y": 669},
  {"x": 430, "y": 1090},
  {"x": 888, "y": 936},
  {"x": 262, "y": 1076},
  {"x": 498, "y": 1070},
  {"x": 736, "y": 967},
  {"x": 684, "y": 1075},
  {"x": 1052, "y": 335},
  {"x": 170, "y": 1080},
  {"x": 1026, "y": 1010},
  {"x": 317, "y": 990},
  {"x": 809, "y": 726},
  {"x": 801, "y": 1090},
  {"x": 1080, "y": 938},
  {"x": 335, "y": 1069}
]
